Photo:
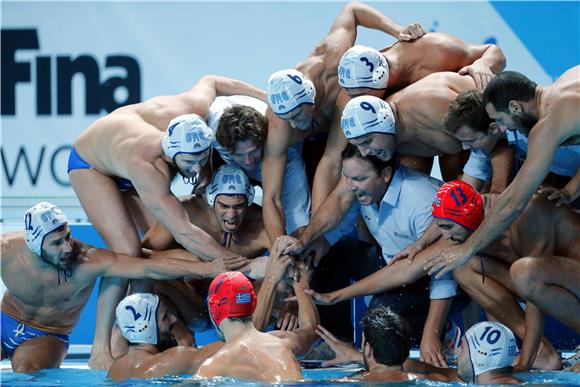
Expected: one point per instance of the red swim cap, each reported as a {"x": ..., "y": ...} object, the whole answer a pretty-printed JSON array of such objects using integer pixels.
[
  {"x": 458, "y": 202},
  {"x": 231, "y": 294}
]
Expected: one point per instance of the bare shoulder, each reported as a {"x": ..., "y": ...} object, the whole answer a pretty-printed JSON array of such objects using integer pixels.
[{"x": 13, "y": 248}]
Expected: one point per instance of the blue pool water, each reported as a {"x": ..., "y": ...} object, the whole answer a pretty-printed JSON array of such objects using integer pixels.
[{"x": 318, "y": 377}]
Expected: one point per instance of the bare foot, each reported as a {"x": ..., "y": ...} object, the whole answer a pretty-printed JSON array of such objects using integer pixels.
[{"x": 547, "y": 358}]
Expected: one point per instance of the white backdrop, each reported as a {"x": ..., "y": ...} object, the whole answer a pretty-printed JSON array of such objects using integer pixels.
[{"x": 173, "y": 44}]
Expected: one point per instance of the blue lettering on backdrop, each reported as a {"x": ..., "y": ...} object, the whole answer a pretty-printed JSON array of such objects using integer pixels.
[
  {"x": 31, "y": 169},
  {"x": 99, "y": 96}
]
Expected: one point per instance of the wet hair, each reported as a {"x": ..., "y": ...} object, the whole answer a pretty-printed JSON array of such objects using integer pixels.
[
  {"x": 241, "y": 123},
  {"x": 508, "y": 86},
  {"x": 351, "y": 151},
  {"x": 388, "y": 334},
  {"x": 467, "y": 109}
]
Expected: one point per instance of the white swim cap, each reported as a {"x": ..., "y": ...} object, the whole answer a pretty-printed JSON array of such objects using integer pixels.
[
  {"x": 188, "y": 133},
  {"x": 229, "y": 180},
  {"x": 137, "y": 317},
  {"x": 491, "y": 346},
  {"x": 362, "y": 66},
  {"x": 367, "y": 114},
  {"x": 288, "y": 89},
  {"x": 39, "y": 221}
]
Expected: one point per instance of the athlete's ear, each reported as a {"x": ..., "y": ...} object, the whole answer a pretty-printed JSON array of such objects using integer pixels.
[
  {"x": 493, "y": 128},
  {"x": 387, "y": 173},
  {"x": 514, "y": 107}
]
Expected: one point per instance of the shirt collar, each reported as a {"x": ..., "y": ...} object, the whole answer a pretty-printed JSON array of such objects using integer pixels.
[{"x": 391, "y": 197}]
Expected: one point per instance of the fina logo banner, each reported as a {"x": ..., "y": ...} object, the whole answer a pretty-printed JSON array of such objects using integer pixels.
[{"x": 63, "y": 72}]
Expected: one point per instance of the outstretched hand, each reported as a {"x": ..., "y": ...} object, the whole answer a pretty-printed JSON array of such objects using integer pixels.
[
  {"x": 344, "y": 353},
  {"x": 413, "y": 31},
  {"x": 290, "y": 245},
  {"x": 446, "y": 260}
]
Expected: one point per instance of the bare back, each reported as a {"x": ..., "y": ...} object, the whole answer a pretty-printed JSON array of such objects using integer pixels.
[
  {"x": 559, "y": 105},
  {"x": 420, "y": 109},
  {"x": 255, "y": 356},
  {"x": 431, "y": 53},
  {"x": 544, "y": 229},
  {"x": 38, "y": 293},
  {"x": 112, "y": 143}
]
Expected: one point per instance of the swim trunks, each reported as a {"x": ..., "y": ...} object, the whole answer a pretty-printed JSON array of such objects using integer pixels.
[
  {"x": 75, "y": 161},
  {"x": 15, "y": 333}
]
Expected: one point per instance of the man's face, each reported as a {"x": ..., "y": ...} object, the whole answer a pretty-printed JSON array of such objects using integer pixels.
[
  {"x": 381, "y": 145},
  {"x": 363, "y": 181},
  {"x": 452, "y": 231},
  {"x": 58, "y": 247},
  {"x": 166, "y": 320},
  {"x": 247, "y": 155},
  {"x": 300, "y": 118},
  {"x": 230, "y": 211},
  {"x": 470, "y": 138},
  {"x": 521, "y": 121},
  {"x": 464, "y": 368},
  {"x": 190, "y": 165}
]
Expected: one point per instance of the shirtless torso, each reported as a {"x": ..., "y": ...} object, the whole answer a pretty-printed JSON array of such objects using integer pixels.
[{"x": 265, "y": 357}]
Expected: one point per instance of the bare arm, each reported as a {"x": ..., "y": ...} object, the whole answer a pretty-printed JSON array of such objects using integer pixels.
[
  {"x": 169, "y": 264},
  {"x": 508, "y": 206},
  {"x": 302, "y": 338},
  {"x": 486, "y": 61},
  {"x": 153, "y": 188},
  {"x": 565, "y": 195},
  {"x": 502, "y": 162},
  {"x": 355, "y": 14},
  {"x": 211, "y": 86},
  {"x": 329, "y": 167},
  {"x": 394, "y": 276},
  {"x": 431, "y": 348},
  {"x": 532, "y": 338},
  {"x": 275, "y": 271},
  {"x": 273, "y": 170}
]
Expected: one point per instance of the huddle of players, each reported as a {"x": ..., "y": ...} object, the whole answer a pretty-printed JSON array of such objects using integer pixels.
[{"x": 408, "y": 123}]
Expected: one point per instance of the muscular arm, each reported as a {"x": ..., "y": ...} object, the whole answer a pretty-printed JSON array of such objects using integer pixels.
[
  {"x": 273, "y": 170},
  {"x": 502, "y": 160},
  {"x": 266, "y": 297},
  {"x": 329, "y": 214},
  {"x": 329, "y": 167},
  {"x": 354, "y": 14},
  {"x": 153, "y": 188},
  {"x": 169, "y": 264},
  {"x": 301, "y": 339},
  {"x": 431, "y": 348},
  {"x": 212, "y": 86},
  {"x": 510, "y": 204}
]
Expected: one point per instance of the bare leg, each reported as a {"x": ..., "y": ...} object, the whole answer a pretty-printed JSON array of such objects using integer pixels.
[
  {"x": 546, "y": 280},
  {"x": 37, "y": 354},
  {"x": 140, "y": 215},
  {"x": 500, "y": 303},
  {"x": 103, "y": 203}
]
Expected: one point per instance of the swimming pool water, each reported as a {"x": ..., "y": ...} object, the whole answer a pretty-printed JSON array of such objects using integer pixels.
[{"x": 319, "y": 377}]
